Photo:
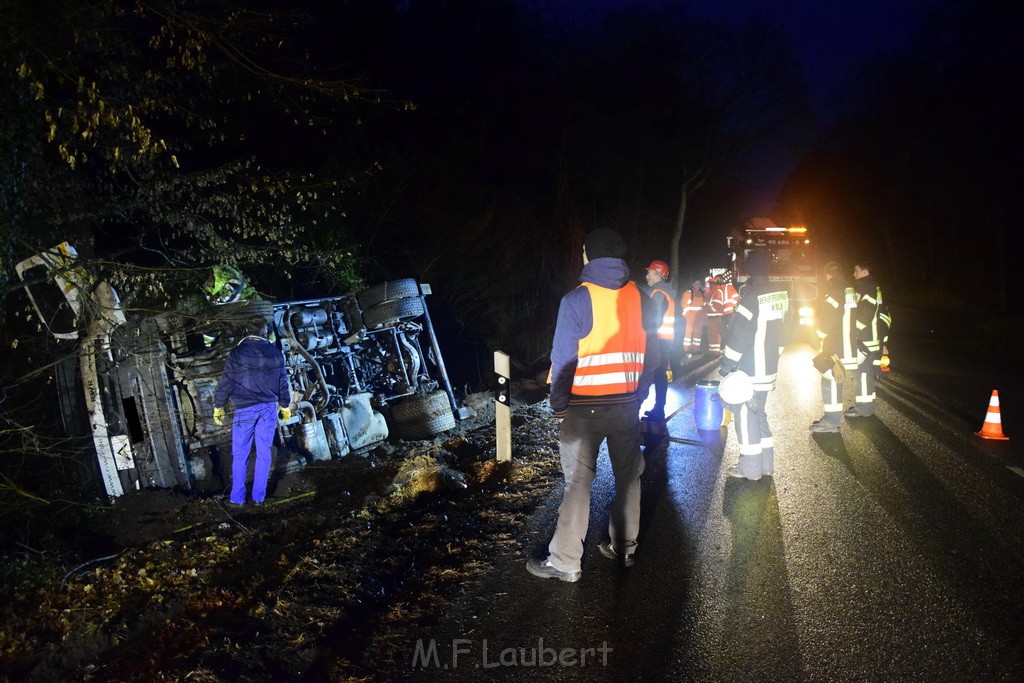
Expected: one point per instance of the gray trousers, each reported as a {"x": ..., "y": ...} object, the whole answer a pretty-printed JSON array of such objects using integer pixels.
[{"x": 581, "y": 434}]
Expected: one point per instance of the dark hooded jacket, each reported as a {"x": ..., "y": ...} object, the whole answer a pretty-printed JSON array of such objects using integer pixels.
[
  {"x": 254, "y": 373},
  {"x": 575, "y": 321}
]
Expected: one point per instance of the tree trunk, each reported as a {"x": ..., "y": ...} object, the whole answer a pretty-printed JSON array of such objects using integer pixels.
[{"x": 677, "y": 232}]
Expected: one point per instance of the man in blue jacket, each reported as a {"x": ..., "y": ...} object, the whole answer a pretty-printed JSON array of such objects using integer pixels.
[
  {"x": 255, "y": 381},
  {"x": 603, "y": 359}
]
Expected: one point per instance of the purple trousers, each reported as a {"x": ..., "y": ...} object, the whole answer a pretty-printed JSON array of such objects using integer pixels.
[{"x": 253, "y": 425}]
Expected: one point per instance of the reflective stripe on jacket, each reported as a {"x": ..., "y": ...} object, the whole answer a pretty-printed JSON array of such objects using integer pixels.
[
  {"x": 667, "y": 328},
  {"x": 721, "y": 299},
  {"x": 691, "y": 304},
  {"x": 873, "y": 319},
  {"x": 754, "y": 338},
  {"x": 836, "y": 325},
  {"x": 611, "y": 356}
]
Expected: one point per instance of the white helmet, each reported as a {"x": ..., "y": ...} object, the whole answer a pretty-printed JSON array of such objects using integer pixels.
[{"x": 736, "y": 388}]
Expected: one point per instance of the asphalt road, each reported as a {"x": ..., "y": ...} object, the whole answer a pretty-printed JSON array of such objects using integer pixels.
[{"x": 890, "y": 551}]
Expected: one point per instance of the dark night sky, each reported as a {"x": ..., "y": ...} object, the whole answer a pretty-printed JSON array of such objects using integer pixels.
[{"x": 831, "y": 37}]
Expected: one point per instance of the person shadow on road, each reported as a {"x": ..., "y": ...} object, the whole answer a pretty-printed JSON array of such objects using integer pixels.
[{"x": 760, "y": 623}]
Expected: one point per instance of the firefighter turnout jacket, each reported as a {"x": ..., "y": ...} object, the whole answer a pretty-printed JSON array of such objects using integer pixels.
[
  {"x": 753, "y": 341},
  {"x": 837, "y": 329},
  {"x": 873, "y": 318}
]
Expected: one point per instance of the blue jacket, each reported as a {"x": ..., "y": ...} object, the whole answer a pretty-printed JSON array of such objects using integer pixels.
[
  {"x": 253, "y": 373},
  {"x": 576, "y": 319}
]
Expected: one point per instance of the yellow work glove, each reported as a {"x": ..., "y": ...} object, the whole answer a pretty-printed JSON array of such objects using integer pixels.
[
  {"x": 284, "y": 414},
  {"x": 218, "y": 416}
]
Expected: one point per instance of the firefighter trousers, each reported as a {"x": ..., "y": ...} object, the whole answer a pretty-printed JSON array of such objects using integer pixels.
[{"x": 757, "y": 449}]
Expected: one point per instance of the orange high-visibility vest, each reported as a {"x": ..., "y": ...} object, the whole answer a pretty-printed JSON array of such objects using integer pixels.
[
  {"x": 722, "y": 299},
  {"x": 611, "y": 357},
  {"x": 691, "y": 304},
  {"x": 667, "y": 330},
  {"x": 731, "y": 298}
]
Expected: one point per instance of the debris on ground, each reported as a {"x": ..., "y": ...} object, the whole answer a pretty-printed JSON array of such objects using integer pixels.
[{"x": 345, "y": 558}]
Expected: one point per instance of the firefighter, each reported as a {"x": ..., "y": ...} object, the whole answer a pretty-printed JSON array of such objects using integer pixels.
[
  {"x": 753, "y": 344},
  {"x": 719, "y": 303},
  {"x": 665, "y": 313},
  {"x": 599, "y": 368},
  {"x": 691, "y": 305},
  {"x": 837, "y": 331},
  {"x": 873, "y": 322}
]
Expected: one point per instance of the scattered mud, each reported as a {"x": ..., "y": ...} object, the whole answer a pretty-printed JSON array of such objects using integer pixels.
[{"x": 344, "y": 560}]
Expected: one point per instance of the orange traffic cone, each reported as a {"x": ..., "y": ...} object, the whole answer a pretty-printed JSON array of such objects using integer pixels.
[{"x": 993, "y": 427}]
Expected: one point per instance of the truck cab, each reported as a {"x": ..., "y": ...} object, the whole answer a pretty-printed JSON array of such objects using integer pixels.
[{"x": 794, "y": 264}]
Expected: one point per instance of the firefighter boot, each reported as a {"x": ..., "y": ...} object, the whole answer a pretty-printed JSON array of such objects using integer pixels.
[{"x": 749, "y": 467}]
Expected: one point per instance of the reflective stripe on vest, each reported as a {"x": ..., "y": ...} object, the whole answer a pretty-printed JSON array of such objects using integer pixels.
[
  {"x": 667, "y": 330},
  {"x": 730, "y": 298},
  {"x": 722, "y": 299},
  {"x": 611, "y": 356},
  {"x": 692, "y": 304}
]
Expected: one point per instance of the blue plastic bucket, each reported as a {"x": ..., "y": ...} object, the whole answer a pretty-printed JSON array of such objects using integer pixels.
[{"x": 707, "y": 406}]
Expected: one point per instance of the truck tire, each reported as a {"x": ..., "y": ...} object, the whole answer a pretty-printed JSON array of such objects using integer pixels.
[
  {"x": 239, "y": 312},
  {"x": 422, "y": 417},
  {"x": 390, "y": 312},
  {"x": 387, "y": 291}
]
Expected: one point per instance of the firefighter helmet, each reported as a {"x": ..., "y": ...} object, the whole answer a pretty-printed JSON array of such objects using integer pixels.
[
  {"x": 659, "y": 267},
  {"x": 736, "y": 388}
]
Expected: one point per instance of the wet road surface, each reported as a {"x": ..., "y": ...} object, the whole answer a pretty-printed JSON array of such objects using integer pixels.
[{"x": 891, "y": 551}]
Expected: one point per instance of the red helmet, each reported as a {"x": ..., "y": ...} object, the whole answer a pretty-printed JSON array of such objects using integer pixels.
[{"x": 659, "y": 267}]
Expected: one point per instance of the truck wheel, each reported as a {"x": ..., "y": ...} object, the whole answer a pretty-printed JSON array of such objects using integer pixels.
[
  {"x": 390, "y": 312},
  {"x": 229, "y": 320},
  {"x": 238, "y": 312},
  {"x": 421, "y": 417},
  {"x": 387, "y": 291}
]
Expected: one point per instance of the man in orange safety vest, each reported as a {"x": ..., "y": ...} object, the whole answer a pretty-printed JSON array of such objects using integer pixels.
[
  {"x": 719, "y": 303},
  {"x": 691, "y": 304},
  {"x": 601, "y": 364},
  {"x": 665, "y": 307}
]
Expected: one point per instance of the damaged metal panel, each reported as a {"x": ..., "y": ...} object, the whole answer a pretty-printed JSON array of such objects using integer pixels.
[{"x": 148, "y": 381}]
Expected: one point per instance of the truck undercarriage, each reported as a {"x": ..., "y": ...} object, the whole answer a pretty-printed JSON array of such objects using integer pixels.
[{"x": 361, "y": 368}]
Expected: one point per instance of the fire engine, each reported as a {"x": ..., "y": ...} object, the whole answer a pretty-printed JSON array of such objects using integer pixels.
[{"x": 794, "y": 264}]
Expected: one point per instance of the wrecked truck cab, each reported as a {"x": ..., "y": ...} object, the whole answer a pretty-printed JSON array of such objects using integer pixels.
[{"x": 362, "y": 368}]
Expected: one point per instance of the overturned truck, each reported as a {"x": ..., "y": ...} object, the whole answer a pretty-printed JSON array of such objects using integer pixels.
[{"x": 362, "y": 368}]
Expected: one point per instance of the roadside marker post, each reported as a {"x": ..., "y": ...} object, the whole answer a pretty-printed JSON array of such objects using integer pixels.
[{"x": 503, "y": 406}]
